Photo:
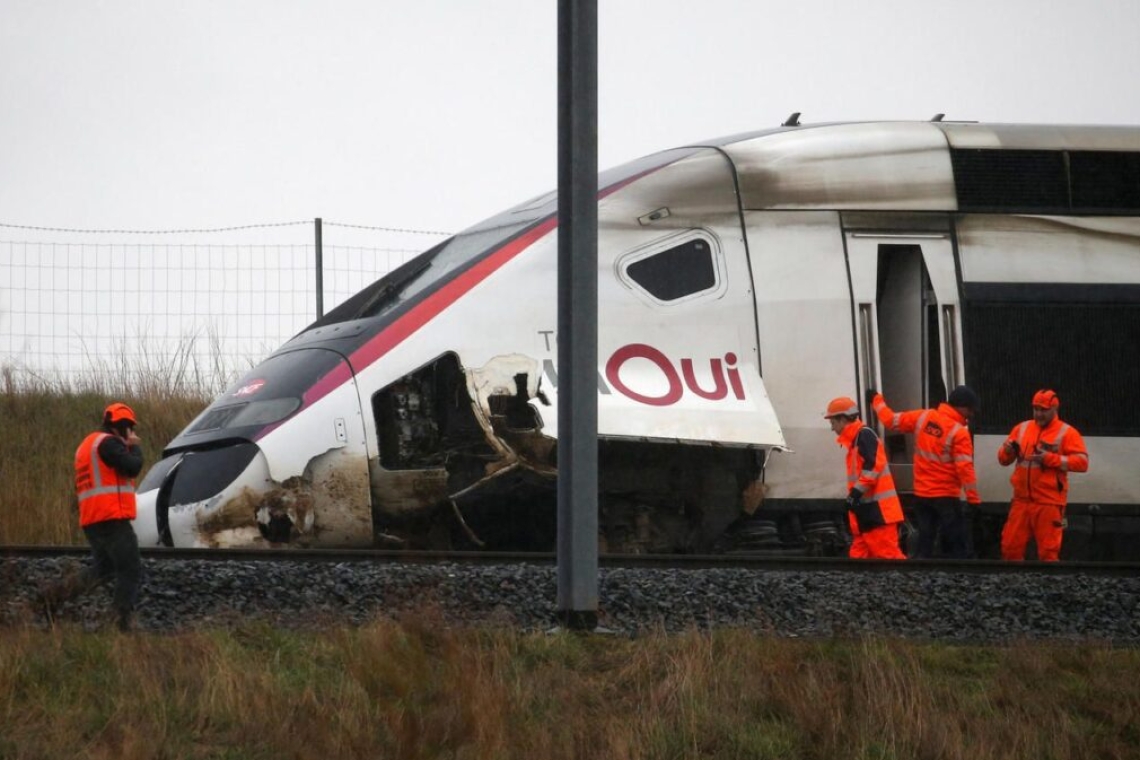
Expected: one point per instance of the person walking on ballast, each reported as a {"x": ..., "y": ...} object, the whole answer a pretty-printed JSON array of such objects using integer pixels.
[
  {"x": 943, "y": 467},
  {"x": 1045, "y": 451},
  {"x": 873, "y": 508},
  {"x": 106, "y": 463}
]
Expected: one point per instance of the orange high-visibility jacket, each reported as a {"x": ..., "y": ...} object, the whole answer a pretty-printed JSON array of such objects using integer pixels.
[
  {"x": 1063, "y": 451},
  {"x": 103, "y": 493},
  {"x": 943, "y": 450},
  {"x": 869, "y": 474}
]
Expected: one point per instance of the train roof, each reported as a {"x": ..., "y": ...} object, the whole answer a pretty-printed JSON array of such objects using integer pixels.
[
  {"x": 939, "y": 166},
  {"x": 873, "y": 166},
  {"x": 971, "y": 134}
]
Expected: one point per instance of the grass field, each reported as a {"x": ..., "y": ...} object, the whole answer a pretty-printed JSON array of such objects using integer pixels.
[{"x": 415, "y": 689}]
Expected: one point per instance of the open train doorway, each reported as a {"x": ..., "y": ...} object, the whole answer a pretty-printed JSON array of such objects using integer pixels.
[{"x": 908, "y": 327}]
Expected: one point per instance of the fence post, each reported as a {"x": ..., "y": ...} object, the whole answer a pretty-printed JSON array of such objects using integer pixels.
[{"x": 320, "y": 264}]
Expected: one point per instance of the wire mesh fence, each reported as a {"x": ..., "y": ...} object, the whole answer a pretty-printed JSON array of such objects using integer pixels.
[{"x": 195, "y": 314}]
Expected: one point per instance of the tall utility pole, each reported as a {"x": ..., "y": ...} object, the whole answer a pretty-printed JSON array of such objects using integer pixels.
[{"x": 578, "y": 313}]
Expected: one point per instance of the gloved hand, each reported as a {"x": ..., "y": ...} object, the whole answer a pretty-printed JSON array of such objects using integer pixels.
[
  {"x": 1013, "y": 447},
  {"x": 870, "y": 397},
  {"x": 852, "y": 499}
]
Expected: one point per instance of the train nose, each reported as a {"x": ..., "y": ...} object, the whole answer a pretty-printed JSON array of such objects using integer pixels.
[
  {"x": 217, "y": 498},
  {"x": 146, "y": 523}
]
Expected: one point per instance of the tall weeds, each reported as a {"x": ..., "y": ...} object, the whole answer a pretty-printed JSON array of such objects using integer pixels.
[
  {"x": 44, "y": 419},
  {"x": 416, "y": 689}
]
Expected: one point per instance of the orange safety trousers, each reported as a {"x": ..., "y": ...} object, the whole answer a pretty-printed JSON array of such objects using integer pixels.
[
  {"x": 877, "y": 543},
  {"x": 1032, "y": 519}
]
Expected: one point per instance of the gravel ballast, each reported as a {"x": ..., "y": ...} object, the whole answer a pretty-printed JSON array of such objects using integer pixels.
[{"x": 950, "y": 606}]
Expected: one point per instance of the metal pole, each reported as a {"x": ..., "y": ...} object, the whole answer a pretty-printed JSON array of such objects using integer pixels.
[
  {"x": 320, "y": 264},
  {"x": 578, "y": 313}
]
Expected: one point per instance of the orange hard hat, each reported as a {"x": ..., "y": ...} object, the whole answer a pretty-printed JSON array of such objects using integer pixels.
[
  {"x": 1046, "y": 399},
  {"x": 118, "y": 412},
  {"x": 842, "y": 405}
]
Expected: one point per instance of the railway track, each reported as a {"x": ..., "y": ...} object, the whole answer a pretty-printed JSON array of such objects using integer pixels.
[
  {"x": 769, "y": 561},
  {"x": 962, "y": 601}
]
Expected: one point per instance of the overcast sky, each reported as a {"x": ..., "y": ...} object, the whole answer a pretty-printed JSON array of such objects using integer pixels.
[{"x": 434, "y": 114}]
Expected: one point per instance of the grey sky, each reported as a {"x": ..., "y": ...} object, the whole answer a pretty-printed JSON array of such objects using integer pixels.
[{"x": 436, "y": 113}]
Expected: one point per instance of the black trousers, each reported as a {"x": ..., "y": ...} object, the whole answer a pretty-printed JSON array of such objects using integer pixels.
[
  {"x": 115, "y": 550},
  {"x": 941, "y": 517}
]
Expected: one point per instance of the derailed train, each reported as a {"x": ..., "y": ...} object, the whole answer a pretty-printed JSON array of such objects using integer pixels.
[{"x": 743, "y": 282}]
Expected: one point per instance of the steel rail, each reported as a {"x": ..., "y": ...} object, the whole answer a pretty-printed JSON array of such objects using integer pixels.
[{"x": 769, "y": 561}]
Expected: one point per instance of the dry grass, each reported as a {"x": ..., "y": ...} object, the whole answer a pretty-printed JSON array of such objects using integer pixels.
[
  {"x": 44, "y": 421},
  {"x": 415, "y": 689}
]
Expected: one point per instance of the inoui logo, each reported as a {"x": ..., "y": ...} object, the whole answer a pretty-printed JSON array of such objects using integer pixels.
[
  {"x": 724, "y": 376},
  {"x": 676, "y": 383}
]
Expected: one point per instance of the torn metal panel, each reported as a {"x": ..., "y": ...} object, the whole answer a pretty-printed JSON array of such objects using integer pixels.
[
  {"x": 501, "y": 392},
  {"x": 453, "y": 439}
]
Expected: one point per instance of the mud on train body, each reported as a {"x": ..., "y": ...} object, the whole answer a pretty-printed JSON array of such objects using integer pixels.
[{"x": 742, "y": 283}]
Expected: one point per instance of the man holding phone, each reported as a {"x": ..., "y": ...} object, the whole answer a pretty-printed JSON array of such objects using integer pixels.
[{"x": 106, "y": 464}]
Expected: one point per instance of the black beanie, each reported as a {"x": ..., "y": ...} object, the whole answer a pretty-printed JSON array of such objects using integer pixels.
[{"x": 963, "y": 396}]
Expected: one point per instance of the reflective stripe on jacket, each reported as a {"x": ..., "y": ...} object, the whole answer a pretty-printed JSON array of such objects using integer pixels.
[
  {"x": 871, "y": 479},
  {"x": 103, "y": 493},
  {"x": 1062, "y": 451},
  {"x": 943, "y": 450}
]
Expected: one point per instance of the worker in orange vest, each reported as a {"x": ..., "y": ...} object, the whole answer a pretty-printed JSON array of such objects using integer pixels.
[
  {"x": 1045, "y": 450},
  {"x": 873, "y": 508},
  {"x": 106, "y": 463},
  {"x": 943, "y": 467}
]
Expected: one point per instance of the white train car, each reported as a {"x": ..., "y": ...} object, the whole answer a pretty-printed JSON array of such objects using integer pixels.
[{"x": 743, "y": 282}]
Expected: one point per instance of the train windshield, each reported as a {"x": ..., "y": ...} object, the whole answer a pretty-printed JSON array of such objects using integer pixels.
[
  {"x": 421, "y": 273},
  {"x": 268, "y": 393}
]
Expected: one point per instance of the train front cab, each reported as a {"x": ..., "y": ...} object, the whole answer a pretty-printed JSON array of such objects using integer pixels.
[{"x": 279, "y": 458}]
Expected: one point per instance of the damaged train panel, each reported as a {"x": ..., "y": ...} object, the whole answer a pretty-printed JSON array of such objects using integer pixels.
[
  {"x": 451, "y": 438},
  {"x": 243, "y": 480},
  {"x": 503, "y": 392},
  {"x": 493, "y": 479},
  {"x": 357, "y": 434}
]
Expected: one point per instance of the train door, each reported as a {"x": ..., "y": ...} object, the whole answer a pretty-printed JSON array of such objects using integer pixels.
[{"x": 907, "y": 326}]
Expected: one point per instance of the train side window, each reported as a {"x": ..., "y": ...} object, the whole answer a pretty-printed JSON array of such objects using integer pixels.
[
  {"x": 678, "y": 268},
  {"x": 1087, "y": 350}
]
